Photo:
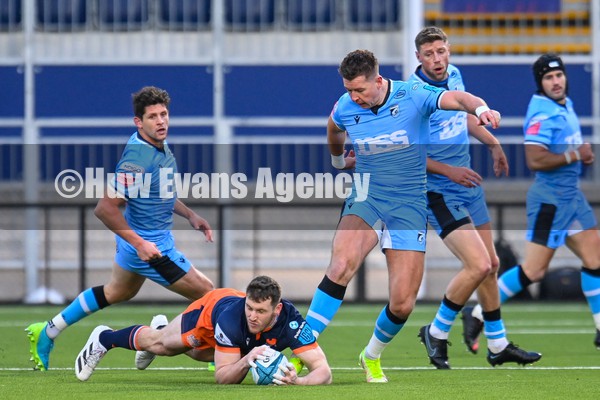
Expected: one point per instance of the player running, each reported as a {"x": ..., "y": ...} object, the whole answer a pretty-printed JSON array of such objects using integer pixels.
[
  {"x": 388, "y": 124},
  {"x": 145, "y": 244},
  {"x": 557, "y": 211},
  {"x": 458, "y": 212}
]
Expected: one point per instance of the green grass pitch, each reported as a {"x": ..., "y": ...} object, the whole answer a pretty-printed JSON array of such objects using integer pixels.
[{"x": 569, "y": 368}]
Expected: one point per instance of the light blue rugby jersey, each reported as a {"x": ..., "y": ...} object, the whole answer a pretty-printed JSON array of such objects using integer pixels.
[
  {"x": 449, "y": 133},
  {"x": 555, "y": 127},
  {"x": 147, "y": 213},
  {"x": 391, "y": 143}
]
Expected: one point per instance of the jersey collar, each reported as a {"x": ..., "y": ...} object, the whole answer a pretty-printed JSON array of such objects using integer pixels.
[
  {"x": 375, "y": 109},
  {"x": 441, "y": 84},
  {"x": 141, "y": 138}
]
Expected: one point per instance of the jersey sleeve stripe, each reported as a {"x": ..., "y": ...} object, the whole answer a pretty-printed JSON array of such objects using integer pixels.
[{"x": 302, "y": 349}]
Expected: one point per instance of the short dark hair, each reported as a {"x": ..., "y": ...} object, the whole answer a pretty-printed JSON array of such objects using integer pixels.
[
  {"x": 359, "y": 63},
  {"x": 263, "y": 288},
  {"x": 429, "y": 35},
  {"x": 149, "y": 96}
]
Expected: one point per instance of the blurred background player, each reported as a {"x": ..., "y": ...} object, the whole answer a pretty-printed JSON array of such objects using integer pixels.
[
  {"x": 557, "y": 211},
  {"x": 145, "y": 244},
  {"x": 458, "y": 212},
  {"x": 388, "y": 123},
  {"x": 228, "y": 326}
]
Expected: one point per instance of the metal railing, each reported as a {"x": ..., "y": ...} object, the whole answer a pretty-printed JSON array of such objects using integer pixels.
[{"x": 292, "y": 240}]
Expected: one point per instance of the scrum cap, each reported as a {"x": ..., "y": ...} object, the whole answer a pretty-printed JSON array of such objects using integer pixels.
[{"x": 546, "y": 63}]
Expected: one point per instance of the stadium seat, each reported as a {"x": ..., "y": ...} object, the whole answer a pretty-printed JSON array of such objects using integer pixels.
[
  {"x": 249, "y": 15},
  {"x": 374, "y": 14},
  {"x": 10, "y": 14},
  {"x": 61, "y": 15},
  {"x": 498, "y": 27},
  {"x": 505, "y": 6},
  {"x": 311, "y": 14},
  {"x": 123, "y": 15},
  {"x": 185, "y": 14}
]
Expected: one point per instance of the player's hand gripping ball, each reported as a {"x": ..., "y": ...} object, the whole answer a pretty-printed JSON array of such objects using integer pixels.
[{"x": 267, "y": 365}]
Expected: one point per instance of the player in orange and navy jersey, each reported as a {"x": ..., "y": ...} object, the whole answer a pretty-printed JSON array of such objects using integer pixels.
[{"x": 232, "y": 328}]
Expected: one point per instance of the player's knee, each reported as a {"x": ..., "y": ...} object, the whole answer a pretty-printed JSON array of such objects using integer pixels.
[
  {"x": 342, "y": 269},
  {"x": 193, "y": 285},
  {"x": 479, "y": 268},
  {"x": 591, "y": 259},
  {"x": 204, "y": 284},
  {"x": 209, "y": 286},
  {"x": 201, "y": 282},
  {"x": 119, "y": 294},
  {"x": 534, "y": 274},
  {"x": 495, "y": 266},
  {"x": 402, "y": 309},
  {"x": 121, "y": 297},
  {"x": 486, "y": 269}
]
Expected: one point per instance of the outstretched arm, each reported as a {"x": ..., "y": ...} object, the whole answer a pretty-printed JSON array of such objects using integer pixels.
[{"x": 464, "y": 101}]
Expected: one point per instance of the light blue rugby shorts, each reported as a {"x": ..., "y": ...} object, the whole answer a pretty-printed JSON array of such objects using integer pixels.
[
  {"x": 403, "y": 223},
  {"x": 549, "y": 224},
  {"x": 456, "y": 206},
  {"x": 165, "y": 271}
]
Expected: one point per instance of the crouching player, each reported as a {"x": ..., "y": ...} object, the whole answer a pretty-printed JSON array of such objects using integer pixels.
[{"x": 228, "y": 326}]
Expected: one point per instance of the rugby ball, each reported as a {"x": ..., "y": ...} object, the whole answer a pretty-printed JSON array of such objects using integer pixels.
[{"x": 267, "y": 366}]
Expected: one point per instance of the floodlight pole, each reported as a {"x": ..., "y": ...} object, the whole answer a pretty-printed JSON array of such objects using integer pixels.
[
  {"x": 413, "y": 23},
  {"x": 223, "y": 147},
  {"x": 30, "y": 155}
]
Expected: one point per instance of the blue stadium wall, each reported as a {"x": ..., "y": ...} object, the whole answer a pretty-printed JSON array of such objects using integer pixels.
[{"x": 250, "y": 91}]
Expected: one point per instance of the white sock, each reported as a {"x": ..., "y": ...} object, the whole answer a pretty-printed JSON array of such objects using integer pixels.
[
  {"x": 55, "y": 326},
  {"x": 477, "y": 312},
  {"x": 597, "y": 320},
  {"x": 374, "y": 348},
  {"x": 438, "y": 333},
  {"x": 497, "y": 345}
]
